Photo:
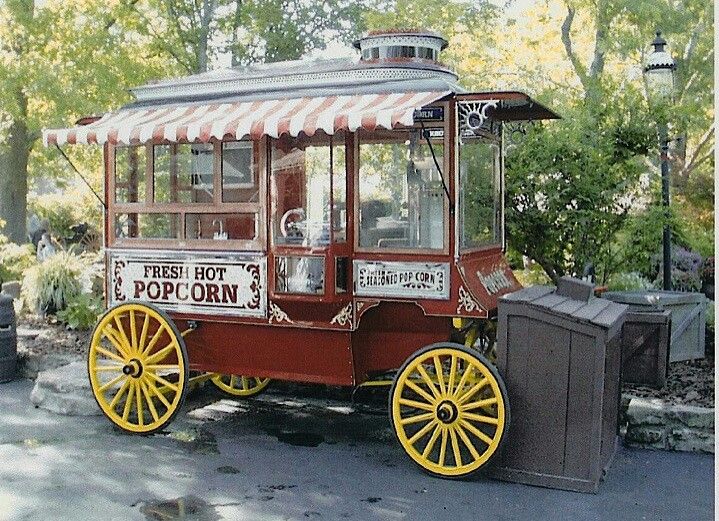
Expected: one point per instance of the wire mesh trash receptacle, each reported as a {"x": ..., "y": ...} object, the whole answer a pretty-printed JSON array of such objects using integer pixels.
[
  {"x": 645, "y": 347},
  {"x": 688, "y": 318},
  {"x": 8, "y": 339},
  {"x": 560, "y": 356}
]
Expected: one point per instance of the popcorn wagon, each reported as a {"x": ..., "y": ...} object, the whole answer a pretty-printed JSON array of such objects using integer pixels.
[{"x": 326, "y": 222}]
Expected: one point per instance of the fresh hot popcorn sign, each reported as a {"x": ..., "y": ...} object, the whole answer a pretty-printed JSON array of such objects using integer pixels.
[{"x": 201, "y": 283}]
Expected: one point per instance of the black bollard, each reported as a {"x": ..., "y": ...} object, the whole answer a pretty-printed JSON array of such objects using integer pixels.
[{"x": 8, "y": 339}]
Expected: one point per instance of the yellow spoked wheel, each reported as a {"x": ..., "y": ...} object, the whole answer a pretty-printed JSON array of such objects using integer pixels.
[
  {"x": 138, "y": 367},
  {"x": 238, "y": 385},
  {"x": 449, "y": 409}
]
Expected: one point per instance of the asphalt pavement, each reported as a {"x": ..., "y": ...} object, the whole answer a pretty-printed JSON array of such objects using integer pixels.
[{"x": 294, "y": 456}]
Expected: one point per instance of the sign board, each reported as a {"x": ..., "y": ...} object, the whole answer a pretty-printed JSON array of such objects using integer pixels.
[
  {"x": 198, "y": 283},
  {"x": 429, "y": 114},
  {"x": 401, "y": 279}
]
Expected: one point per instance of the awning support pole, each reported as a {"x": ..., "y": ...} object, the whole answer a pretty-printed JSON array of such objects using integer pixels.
[{"x": 81, "y": 176}]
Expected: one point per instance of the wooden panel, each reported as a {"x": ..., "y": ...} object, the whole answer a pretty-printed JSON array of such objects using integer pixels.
[
  {"x": 611, "y": 397},
  {"x": 582, "y": 438}
]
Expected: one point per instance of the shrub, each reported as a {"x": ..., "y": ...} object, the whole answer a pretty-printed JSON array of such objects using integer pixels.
[
  {"x": 81, "y": 312},
  {"x": 14, "y": 259},
  {"x": 631, "y": 281},
  {"x": 50, "y": 285}
]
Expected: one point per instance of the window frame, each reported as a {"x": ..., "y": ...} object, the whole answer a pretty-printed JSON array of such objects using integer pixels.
[
  {"x": 499, "y": 142},
  {"x": 217, "y": 206},
  {"x": 446, "y": 169}
]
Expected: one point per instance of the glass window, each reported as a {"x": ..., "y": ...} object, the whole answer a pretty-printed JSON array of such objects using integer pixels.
[
  {"x": 221, "y": 226},
  {"x": 239, "y": 172},
  {"x": 480, "y": 209},
  {"x": 402, "y": 200},
  {"x": 130, "y": 165},
  {"x": 183, "y": 173},
  {"x": 301, "y": 189},
  {"x": 300, "y": 274},
  {"x": 147, "y": 225}
]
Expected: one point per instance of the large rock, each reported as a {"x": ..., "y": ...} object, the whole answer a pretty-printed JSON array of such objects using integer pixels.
[{"x": 65, "y": 390}]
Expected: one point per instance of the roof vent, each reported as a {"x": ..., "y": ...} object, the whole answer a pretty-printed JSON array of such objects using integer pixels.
[{"x": 401, "y": 44}]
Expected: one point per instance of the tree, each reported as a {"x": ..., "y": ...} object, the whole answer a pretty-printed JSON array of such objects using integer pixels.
[{"x": 58, "y": 62}]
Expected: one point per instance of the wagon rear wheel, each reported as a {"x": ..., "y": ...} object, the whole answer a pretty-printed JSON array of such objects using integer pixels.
[
  {"x": 138, "y": 367},
  {"x": 238, "y": 385},
  {"x": 449, "y": 409}
]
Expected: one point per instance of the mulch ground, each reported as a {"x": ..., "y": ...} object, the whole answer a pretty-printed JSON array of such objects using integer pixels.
[{"x": 45, "y": 335}]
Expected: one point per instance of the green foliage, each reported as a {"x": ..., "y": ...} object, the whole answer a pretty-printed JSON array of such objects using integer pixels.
[
  {"x": 571, "y": 185},
  {"x": 14, "y": 259},
  {"x": 63, "y": 210},
  {"x": 50, "y": 285},
  {"x": 631, "y": 281},
  {"x": 81, "y": 312}
]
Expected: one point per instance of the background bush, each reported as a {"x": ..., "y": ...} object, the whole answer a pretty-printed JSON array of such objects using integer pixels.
[
  {"x": 15, "y": 259},
  {"x": 81, "y": 311},
  {"x": 50, "y": 285}
]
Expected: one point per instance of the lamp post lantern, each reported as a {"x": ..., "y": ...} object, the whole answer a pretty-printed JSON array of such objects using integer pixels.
[{"x": 659, "y": 74}]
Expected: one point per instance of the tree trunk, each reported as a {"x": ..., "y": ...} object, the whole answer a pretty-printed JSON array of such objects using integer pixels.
[
  {"x": 13, "y": 176},
  {"x": 208, "y": 9}
]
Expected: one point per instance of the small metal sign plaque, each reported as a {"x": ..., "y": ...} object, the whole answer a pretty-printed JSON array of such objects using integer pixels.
[
  {"x": 429, "y": 114},
  {"x": 200, "y": 283},
  {"x": 401, "y": 279}
]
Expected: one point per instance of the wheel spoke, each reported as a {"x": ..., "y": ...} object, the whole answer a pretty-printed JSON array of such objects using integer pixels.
[
  {"x": 426, "y": 416},
  {"x": 109, "y": 367},
  {"x": 432, "y": 440},
  {"x": 455, "y": 448},
  {"x": 478, "y": 404},
  {"x": 423, "y": 373},
  {"x": 148, "y": 399},
  {"x": 140, "y": 411},
  {"x": 440, "y": 374},
  {"x": 162, "y": 381},
  {"x": 452, "y": 375},
  {"x": 474, "y": 430},
  {"x": 111, "y": 383},
  {"x": 133, "y": 332},
  {"x": 153, "y": 340},
  {"x": 108, "y": 354},
  {"x": 463, "y": 380},
  {"x": 416, "y": 404},
  {"x": 162, "y": 353},
  {"x": 143, "y": 334},
  {"x": 151, "y": 386},
  {"x": 467, "y": 442},
  {"x": 233, "y": 379},
  {"x": 121, "y": 331},
  {"x": 466, "y": 396},
  {"x": 422, "y": 432},
  {"x": 111, "y": 335},
  {"x": 245, "y": 383},
  {"x": 480, "y": 418},
  {"x": 119, "y": 394},
  {"x": 424, "y": 394},
  {"x": 128, "y": 402},
  {"x": 443, "y": 448}
]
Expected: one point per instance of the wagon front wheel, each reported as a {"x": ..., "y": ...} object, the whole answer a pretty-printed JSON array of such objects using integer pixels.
[
  {"x": 239, "y": 385},
  {"x": 449, "y": 409},
  {"x": 138, "y": 367}
]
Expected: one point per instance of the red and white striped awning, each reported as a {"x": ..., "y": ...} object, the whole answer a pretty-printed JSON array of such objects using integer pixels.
[{"x": 237, "y": 120}]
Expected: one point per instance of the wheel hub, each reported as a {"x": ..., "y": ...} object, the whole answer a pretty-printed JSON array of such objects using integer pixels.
[
  {"x": 133, "y": 368},
  {"x": 447, "y": 412}
]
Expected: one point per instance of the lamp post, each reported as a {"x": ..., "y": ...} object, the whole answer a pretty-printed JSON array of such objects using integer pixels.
[{"x": 659, "y": 74}]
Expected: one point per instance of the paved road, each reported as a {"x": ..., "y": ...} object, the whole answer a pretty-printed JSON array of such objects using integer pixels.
[{"x": 293, "y": 458}]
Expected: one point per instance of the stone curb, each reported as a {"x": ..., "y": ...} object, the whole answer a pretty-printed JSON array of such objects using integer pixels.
[{"x": 655, "y": 424}]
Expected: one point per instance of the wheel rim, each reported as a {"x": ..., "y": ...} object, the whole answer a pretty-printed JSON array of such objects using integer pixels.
[
  {"x": 239, "y": 385},
  {"x": 448, "y": 411},
  {"x": 138, "y": 368}
]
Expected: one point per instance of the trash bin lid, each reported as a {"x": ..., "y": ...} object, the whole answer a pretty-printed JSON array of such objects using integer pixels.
[
  {"x": 572, "y": 300},
  {"x": 654, "y": 298}
]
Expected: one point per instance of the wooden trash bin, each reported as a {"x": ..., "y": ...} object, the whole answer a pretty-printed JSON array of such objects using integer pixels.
[
  {"x": 559, "y": 354},
  {"x": 688, "y": 318},
  {"x": 645, "y": 347}
]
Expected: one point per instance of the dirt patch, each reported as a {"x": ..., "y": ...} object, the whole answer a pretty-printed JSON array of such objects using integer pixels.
[
  {"x": 688, "y": 383},
  {"x": 40, "y": 336}
]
